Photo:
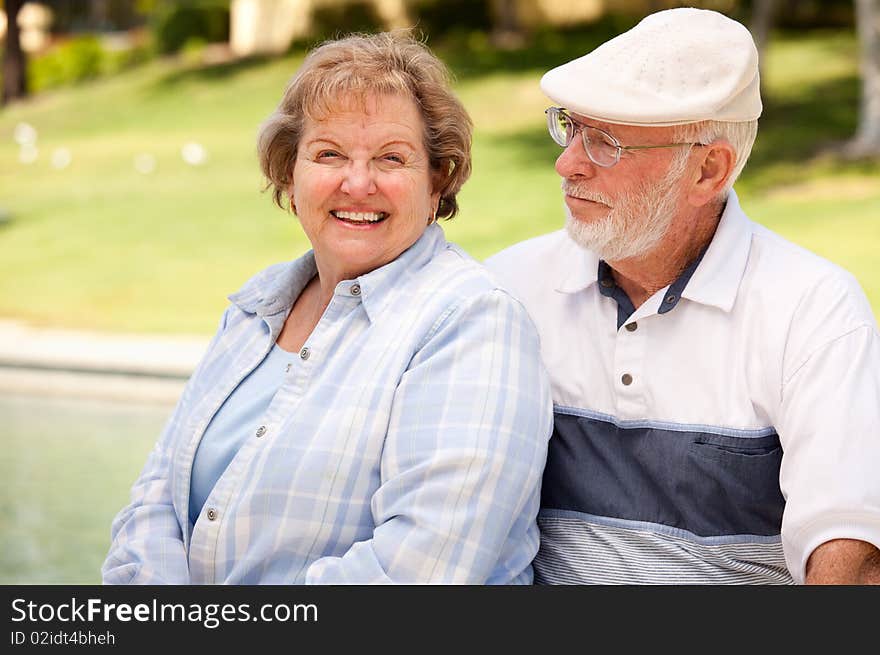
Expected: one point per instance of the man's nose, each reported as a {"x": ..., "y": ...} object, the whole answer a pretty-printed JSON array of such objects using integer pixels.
[
  {"x": 359, "y": 181},
  {"x": 574, "y": 162}
]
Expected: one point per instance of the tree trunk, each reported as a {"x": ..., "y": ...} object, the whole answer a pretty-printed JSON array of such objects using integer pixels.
[
  {"x": 763, "y": 17},
  {"x": 867, "y": 139},
  {"x": 507, "y": 32},
  {"x": 14, "y": 79},
  {"x": 99, "y": 14}
]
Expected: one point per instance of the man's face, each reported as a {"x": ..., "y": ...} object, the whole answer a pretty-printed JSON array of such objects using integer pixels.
[{"x": 623, "y": 211}]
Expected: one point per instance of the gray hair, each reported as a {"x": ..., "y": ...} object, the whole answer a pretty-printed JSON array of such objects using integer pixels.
[{"x": 740, "y": 135}]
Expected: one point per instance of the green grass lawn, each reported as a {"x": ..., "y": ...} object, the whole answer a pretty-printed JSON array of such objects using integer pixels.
[{"x": 99, "y": 245}]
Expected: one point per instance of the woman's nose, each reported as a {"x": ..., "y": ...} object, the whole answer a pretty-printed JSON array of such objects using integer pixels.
[{"x": 359, "y": 181}]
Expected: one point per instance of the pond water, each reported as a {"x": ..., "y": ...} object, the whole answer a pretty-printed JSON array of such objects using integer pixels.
[{"x": 67, "y": 468}]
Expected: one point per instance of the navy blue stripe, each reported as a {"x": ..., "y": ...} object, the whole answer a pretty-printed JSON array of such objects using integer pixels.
[
  {"x": 673, "y": 295},
  {"x": 706, "y": 483},
  {"x": 608, "y": 287},
  {"x": 625, "y": 308}
]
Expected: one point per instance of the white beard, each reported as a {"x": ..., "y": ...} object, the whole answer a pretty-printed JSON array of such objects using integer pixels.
[{"x": 637, "y": 221}]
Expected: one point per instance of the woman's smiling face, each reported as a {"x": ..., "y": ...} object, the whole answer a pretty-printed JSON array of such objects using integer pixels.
[{"x": 362, "y": 184}]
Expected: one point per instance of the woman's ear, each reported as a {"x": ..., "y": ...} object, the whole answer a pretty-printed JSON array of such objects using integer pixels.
[
  {"x": 718, "y": 159},
  {"x": 439, "y": 182}
]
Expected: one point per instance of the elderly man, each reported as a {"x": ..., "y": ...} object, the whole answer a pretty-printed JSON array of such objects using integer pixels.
[{"x": 716, "y": 388}]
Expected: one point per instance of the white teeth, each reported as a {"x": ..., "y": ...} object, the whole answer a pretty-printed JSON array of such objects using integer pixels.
[{"x": 360, "y": 217}]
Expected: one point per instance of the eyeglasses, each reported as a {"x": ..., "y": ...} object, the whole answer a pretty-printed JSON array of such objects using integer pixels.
[{"x": 602, "y": 148}]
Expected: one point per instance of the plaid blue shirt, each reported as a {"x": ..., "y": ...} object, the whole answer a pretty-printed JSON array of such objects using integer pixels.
[{"x": 405, "y": 445}]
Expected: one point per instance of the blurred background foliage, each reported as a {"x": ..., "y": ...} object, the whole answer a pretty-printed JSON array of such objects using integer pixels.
[{"x": 96, "y": 37}]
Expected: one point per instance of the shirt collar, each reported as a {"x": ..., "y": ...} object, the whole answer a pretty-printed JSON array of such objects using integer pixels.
[
  {"x": 275, "y": 289},
  {"x": 577, "y": 267},
  {"x": 716, "y": 280},
  {"x": 712, "y": 280},
  {"x": 377, "y": 286}
]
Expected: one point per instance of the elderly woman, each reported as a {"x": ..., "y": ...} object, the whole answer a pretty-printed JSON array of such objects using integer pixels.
[{"x": 376, "y": 410}]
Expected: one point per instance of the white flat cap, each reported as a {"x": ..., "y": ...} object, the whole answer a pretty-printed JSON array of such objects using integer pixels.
[{"x": 676, "y": 66}]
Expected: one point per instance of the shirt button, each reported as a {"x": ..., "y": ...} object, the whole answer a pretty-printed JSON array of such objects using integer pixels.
[
  {"x": 304, "y": 353},
  {"x": 287, "y": 370},
  {"x": 607, "y": 283},
  {"x": 632, "y": 327},
  {"x": 355, "y": 289},
  {"x": 212, "y": 514},
  {"x": 671, "y": 298},
  {"x": 627, "y": 379},
  {"x": 261, "y": 431}
]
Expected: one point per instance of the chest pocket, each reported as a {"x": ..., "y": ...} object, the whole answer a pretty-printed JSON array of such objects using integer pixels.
[{"x": 707, "y": 484}]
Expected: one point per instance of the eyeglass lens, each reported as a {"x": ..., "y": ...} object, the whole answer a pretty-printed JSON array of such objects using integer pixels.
[{"x": 599, "y": 147}]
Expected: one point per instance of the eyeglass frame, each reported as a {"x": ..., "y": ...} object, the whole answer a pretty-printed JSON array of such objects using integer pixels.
[{"x": 613, "y": 141}]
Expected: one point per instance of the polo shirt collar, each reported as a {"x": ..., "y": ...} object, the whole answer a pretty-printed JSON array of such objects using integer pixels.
[
  {"x": 717, "y": 279},
  {"x": 712, "y": 280},
  {"x": 577, "y": 267}
]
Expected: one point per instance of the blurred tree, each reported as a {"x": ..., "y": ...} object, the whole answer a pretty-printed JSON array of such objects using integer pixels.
[
  {"x": 99, "y": 12},
  {"x": 867, "y": 139},
  {"x": 88, "y": 16},
  {"x": 197, "y": 21},
  {"x": 507, "y": 30},
  {"x": 763, "y": 15},
  {"x": 14, "y": 64}
]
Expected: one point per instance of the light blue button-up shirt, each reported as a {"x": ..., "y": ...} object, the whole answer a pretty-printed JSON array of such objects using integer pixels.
[
  {"x": 233, "y": 425},
  {"x": 405, "y": 445}
]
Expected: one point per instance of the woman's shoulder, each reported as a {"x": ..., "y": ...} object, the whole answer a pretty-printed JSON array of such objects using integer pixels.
[
  {"x": 454, "y": 283},
  {"x": 457, "y": 297},
  {"x": 460, "y": 275}
]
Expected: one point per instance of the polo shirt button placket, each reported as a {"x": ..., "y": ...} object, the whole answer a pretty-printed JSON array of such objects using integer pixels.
[{"x": 629, "y": 367}]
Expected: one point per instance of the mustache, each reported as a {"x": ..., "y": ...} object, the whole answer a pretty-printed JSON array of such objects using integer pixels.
[{"x": 571, "y": 189}]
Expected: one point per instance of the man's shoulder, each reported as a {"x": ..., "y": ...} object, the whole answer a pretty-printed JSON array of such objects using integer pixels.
[
  {"x": 776, "y": 250},
  {"x": 799, "y": 282},
  {"x": 536, "y": 249},
  {"x": 784, "y": 264},
  {"x": 529, "y": 268}
]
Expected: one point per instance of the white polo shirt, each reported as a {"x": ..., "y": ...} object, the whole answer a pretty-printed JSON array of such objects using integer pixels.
[{"x": 720, "y": 433}]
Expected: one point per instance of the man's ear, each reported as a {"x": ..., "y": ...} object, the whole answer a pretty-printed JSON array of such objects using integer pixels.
[{"x": 717, "y": 161}]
